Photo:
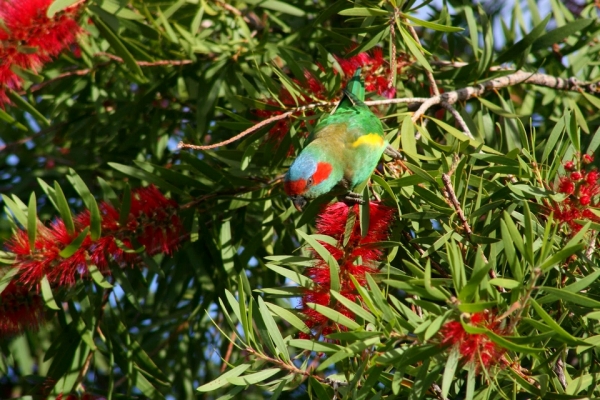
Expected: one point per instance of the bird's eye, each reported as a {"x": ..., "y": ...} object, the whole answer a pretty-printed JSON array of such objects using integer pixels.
[{"x": 309, "y": 182}]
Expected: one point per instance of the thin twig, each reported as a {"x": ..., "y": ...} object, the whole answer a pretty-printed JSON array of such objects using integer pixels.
[
  {"x": 32, "y": 137},
  {"x": 229, "y": 351},
  {"x": 459, "y": 119},
  {"x": 38, "y": 86},
  {"x": 158, "y": 63},
  {"x": 285, "y": 366},
  {"x": 229, "y": 8},
  {"x": 571, "y": 84},
  {"x": 393, "y": 60},
  {"x": 86, "y": 71},
  {"x": 448, "y": 99},
  {"x": 450, "y": 195},
  {"x": 253, "y": 128}
]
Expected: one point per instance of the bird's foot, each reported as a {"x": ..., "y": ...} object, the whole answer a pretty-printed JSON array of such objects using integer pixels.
[
  {"x": 354, "y": 198},
  {"x": 392, "y": 152}
]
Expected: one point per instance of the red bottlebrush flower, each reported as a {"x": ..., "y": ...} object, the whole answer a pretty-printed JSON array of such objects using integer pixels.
[
  {"x": 569, "y": 165},
  {"x": 576, "y": 176},
  {"x": 566, "y": 186},
  {"x": 19, "y": 310},
  {"x": 588, "y": 158},
  {"x": 592, "y": 177},
  {"x": 473, "y": 348},
  {"x": 312, "y": 86},
  {"x": 582, "y": 189},
  {"x": 332, "y": 222},
  {"x": 152, "y": 222},
  {"x": 28, "y": 38},
  {"x": 585, "y": 200}
]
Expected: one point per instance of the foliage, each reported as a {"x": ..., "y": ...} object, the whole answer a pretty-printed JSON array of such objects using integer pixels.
[{"x": 133, "y": 269}]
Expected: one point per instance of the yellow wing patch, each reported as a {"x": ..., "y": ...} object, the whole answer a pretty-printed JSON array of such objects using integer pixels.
[{"x": 371, "y": 139}]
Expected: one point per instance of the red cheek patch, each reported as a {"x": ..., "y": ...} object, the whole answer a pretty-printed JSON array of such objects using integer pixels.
[
  {"x": 293, "y": 188},
  {"x": 323, "y": 171}
]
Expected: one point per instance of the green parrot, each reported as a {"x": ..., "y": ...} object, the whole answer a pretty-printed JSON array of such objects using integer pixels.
[{"x": 343, "y": 150}]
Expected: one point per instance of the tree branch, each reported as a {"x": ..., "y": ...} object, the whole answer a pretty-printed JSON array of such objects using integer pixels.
[{"x": 445, "y": 100}]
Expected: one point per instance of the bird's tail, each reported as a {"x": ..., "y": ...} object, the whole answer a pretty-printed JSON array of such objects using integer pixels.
[
  {"x": 356, "y": 86},
  {"x": 354, "y": 93}
]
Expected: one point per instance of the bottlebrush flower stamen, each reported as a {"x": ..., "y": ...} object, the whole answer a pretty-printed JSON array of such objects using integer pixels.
[
  {"x": 582, "y": 190},
  {"x": 475, "y": 348},
  {"x": 357, "y": 258},
  {"x": 29, "y": 39},
  {"x": 152, "y": 222},
  {"x": 19, "y": 310}
]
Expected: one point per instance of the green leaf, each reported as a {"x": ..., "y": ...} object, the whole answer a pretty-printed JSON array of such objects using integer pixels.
[
  {"x": 334, "y": 316},
  {"x": 98, "y": 277},
  {"x": 292, "y": 275},
  {"x": 222, "y": 380},
  {"x": 594, "y": 143},
  {"x": 561, "y": 255},
  {"x": 58, "y": 5},
  {"x": 47, "y": 294},
  {"x": 282, "y": 7},
  {"x": 413, "y": 47},
  {"x": 572, "y": 297},
  {"x": 432, "y": 25},
  {"x": 313, "y": 345},
  {"x": 505, "y": 283},
  {"x": 7, "y": 277},
  {"x": 449, "y": 371},
  {"x": 90, "y": 203},
  {"x": 507, "y": 344},
  {"x": 353, "y": 307},
  {"x": 273, "y": 329},
  {"x": 289, "y": 317},
  {"x": 364, "y": 12},
  {"x": 497, "y": 109},
  {"x": 349, "y": 351},
  {"x": 433, "y": 291},
  {"x": 18, "y": 208},
  {"x": 147, "y": 177},
  {"x": 559, "y": 34},
  {"x": 120, "y": 49},
  {"x": 4, "y": 116},
  {"x": 252, "y": 379},
  {"x": 521, "y": 47},
  {"x": 407, "y": 137},
  {"x": 420, "y": 172},
  {"x": 462, "y": 137},
  {"x": 592, "y": 99},
  {"x": 26, "y": 106},
  {"x": 334, "y": 268},
  {"x": 553, "y": 325},
  {"x": 32, "y": 221},
  {"x": 63, "y": 209},
  {"x": 528, "y": 225},
  {"x": 72, "y": 247},
  {"x": 556, "y": 133}
]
